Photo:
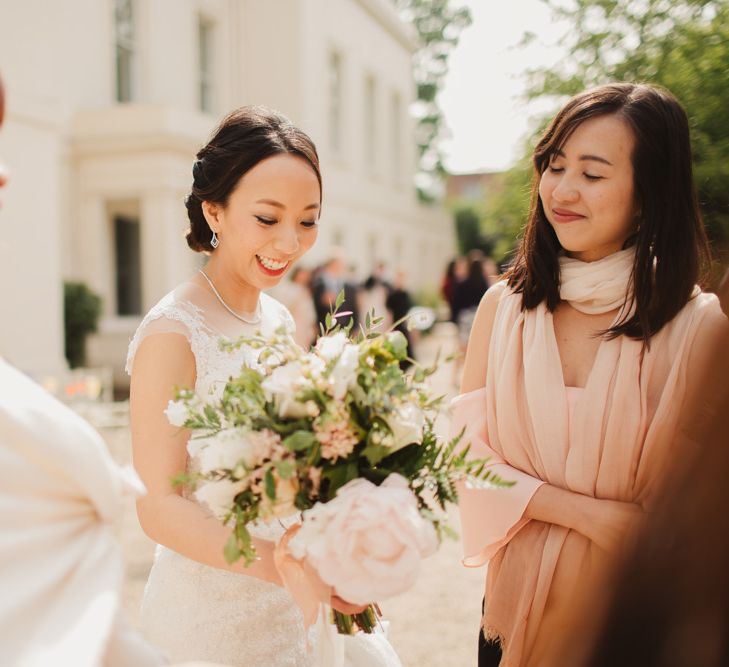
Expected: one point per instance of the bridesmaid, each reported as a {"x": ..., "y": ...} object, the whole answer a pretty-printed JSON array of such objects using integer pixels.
[{"x": 579, "y": 361}]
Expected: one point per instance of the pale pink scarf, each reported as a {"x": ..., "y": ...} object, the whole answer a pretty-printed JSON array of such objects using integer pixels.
[{"x": 613, "y": 446}]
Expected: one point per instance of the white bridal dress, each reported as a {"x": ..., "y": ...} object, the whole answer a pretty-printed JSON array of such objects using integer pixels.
[{"x": 197, "y": 612}]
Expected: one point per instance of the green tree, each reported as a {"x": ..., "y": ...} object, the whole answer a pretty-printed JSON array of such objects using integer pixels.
[
  {"x": 469, "y": 231},
  {"x": 507, "y": 209},
  {"x": 81, "y": 310},
  {"x": 438, "y": 25},
  {"x": 680, "y": 44}
]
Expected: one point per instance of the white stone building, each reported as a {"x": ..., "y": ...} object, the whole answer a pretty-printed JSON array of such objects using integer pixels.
[{"x": 108, "y": 101}]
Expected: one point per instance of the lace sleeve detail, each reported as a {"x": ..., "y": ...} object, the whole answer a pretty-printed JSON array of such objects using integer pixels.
[{"x": 169, "y": 316}]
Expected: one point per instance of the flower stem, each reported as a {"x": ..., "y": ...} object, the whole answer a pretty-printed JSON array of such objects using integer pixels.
[{"x": 349, "y": 624}]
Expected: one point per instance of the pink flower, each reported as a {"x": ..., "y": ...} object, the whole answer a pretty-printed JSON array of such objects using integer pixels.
[
  {"x": 337, "y": 439},
  {"x": 367, "y": 543}
]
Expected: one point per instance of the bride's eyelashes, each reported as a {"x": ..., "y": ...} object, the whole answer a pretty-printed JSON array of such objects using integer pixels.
[{"x": 270, "y": 221}]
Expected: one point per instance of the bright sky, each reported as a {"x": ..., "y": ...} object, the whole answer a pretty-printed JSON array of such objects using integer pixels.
[{"x": 487, "y": 119}]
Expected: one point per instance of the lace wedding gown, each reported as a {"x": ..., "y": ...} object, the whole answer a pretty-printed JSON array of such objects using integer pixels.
[{"x": 197, "y": 612}]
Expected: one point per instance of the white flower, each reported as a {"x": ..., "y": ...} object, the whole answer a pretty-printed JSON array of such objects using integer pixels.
[
  {"x": 367, "y": 543},
  {"x": 407, "y": 424},
  {"x": 230, "y": 447},
  {"x": 344, "y": 373},
  {"x": 282, "y": 385},
  {"x": 330, "y": 347},
  {"x": 218, "y": 496},
  {"x": 177, "y": 413}
]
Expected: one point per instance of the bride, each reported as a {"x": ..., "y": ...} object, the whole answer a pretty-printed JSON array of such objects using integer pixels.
[{"x": 254, "y": 208}]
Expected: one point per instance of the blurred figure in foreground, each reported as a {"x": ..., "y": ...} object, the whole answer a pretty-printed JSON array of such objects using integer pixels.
[{"x": 61, "y": 569}]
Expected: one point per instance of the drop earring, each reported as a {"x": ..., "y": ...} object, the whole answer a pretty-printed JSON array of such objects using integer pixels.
[{"x": 214, "y": 241}]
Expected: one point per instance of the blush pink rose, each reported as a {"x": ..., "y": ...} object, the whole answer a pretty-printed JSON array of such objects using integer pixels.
[{"x": 367, "y": 543}]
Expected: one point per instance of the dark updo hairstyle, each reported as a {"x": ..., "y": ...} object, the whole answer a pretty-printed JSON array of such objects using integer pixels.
[
  {"x": 244, "y": 138},
  {"x": 672, "y": 251}
]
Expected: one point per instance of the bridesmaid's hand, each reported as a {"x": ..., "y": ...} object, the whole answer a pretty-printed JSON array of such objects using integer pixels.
[{"x": 608, "y": 523}]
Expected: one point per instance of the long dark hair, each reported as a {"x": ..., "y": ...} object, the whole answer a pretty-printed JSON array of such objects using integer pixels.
[
  {"x": 244, "y": 138},
  {"x": 672, "y": 251}
]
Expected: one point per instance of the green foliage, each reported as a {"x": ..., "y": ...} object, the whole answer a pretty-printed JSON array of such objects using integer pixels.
[
  {"x": 468, "y": 229},
  {"x": 438, "y": 25},
  {"x": 81, "y": 312},
  {"x": 680, "y": 44},
  {"x": 507, "y": 209}
]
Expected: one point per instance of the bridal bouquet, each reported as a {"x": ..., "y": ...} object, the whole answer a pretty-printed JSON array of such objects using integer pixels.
[{"x": 341, "y": 435}]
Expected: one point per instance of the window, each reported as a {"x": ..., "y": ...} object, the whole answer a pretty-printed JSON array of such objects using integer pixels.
[
  {"x": 205, "y": 65},
  {"x": 127, "y": 257},
  {"x": 396, "y": 138},
  {"x": 124, "y": 35},
  {"x": 370, "y": 124},
  {"x": 335, "y": 102}
]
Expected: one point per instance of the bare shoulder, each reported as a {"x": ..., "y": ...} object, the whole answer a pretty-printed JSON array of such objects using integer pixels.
[
  {"x": 479, "y": 340},
  {"x": 163, "y": 360}
]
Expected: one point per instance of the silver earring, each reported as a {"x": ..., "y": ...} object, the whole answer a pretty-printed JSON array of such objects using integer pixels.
[{"x": 214, "y": 241}]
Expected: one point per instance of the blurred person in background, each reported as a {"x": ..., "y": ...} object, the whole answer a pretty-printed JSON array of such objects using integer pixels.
[
  {"x": 399, "y": 303},
  {"x": 373, "y": 296},
  {"x": 580, "y": 362},
  {"x": 331, "y": 279},
  {"x": 468, "y": 294},
  {"x": 295, "y": 293},
  {"x": 456, "y": 271},
  {"x": 490, "y": 271}
]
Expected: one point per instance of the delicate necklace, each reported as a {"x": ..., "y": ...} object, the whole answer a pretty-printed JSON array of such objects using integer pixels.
[{"x": 257, "y": 315}]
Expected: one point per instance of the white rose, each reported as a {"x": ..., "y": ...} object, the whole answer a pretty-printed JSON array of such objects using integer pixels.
[
  {"x": 230, "y": 447},
  {"x": 282, "y": 385},
  {"x": 177, "y": 413},
  {"x": 406, "y": 424},
  {"x": 344, "y": 373},
  {"x": 218, "y": 496},
  {"x": 367, "y": 543},
  {"x": 330, "y": 347}
]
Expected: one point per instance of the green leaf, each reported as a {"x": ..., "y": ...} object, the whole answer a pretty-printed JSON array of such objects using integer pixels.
[
  {"x": 338, "y": 476},
  {"x": 340, "y": 300},
  {"x": 285, "y": 469},
  {"x": 375, "y": 453},
  {"x": 270, "y": 484},
  {"x": 299, "y": 441},
  {"x": 231, "y": 551}
]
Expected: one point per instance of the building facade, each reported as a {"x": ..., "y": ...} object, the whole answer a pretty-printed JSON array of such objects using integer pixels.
[{"x": 108, "y": 101}]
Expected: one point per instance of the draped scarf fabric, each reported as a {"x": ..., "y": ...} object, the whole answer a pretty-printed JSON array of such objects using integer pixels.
[{"x": 613, "y": 447}]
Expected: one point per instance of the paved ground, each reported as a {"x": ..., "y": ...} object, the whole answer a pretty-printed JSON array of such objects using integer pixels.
[{"x": 433, "y": 625}]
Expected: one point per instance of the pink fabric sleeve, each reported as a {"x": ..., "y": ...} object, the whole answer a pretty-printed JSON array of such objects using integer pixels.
[{"x": 490, "y": 517}]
